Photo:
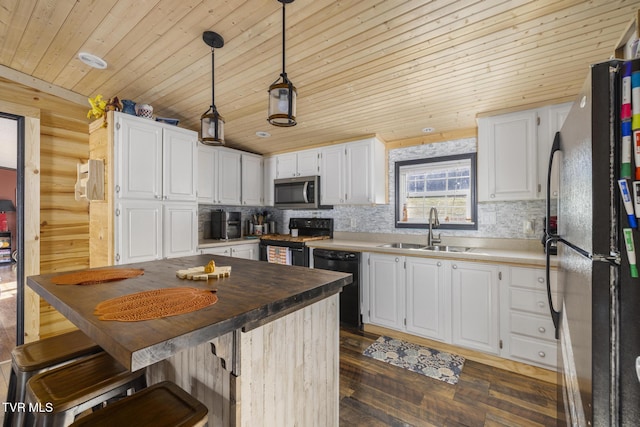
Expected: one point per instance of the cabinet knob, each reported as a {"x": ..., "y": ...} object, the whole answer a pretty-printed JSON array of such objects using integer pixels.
[
  {"x": 541, "y": 304},
  {"x": 454, "y": 266},
  {"x": 540, "y": 279},
  {"x": 397, "y": 259},
  {"x": 555, "y": 193},
  {"x": 542, "y": 330},
  {"x": 493, "y": 196},
  {"x": 439, "y": 264},
  {"x": 541, "y": 354}
]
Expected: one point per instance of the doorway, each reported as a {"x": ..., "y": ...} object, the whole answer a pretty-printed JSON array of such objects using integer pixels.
[{"x": 11, "y": 232}]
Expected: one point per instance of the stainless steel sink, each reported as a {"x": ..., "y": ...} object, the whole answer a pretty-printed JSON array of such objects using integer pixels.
[
  {"x": 440, "y": 248},
  {"x": 402, "y": 246}
]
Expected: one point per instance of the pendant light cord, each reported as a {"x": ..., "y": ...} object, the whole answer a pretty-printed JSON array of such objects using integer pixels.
[
  {"x": 213, "y": 82},
  {"x": 284, "y": 73}
]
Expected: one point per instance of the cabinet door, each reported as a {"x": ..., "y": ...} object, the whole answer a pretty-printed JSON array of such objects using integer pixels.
[
  {"x": 138, "y": 154},
  {"x": 428, "y": 298},
  {"x": 386, "y": 290},
  {"x": 307, "y": 163},
  {"x": 555, "y": 116},
  {"x": 475, "y": 316},
  {"x": 180, "y": 169},
  {"x": 286, "y": 165},
  {"x": 507, "y": 157},
  {"x": 207, "y": 168},
  {"x": 138, "y": 235},
  {"x": 245, "y": 251},
  {"x": 252, "y": 180},
  {"x": 269, "y": 176},
  {"x": 332, "y": 185},
  {"x": 358, "y": 173},
  {"x": 229, "y": 176},
  {"x": 180, "y": 229}
]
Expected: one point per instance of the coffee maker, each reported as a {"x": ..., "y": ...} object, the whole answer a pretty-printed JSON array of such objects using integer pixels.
[
  {"x": 226, "y": 225},
  {"x": 550, "y": 228}
]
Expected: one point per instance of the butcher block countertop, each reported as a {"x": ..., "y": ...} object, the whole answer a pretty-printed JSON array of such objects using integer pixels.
[{"x": 254, "y": 294}]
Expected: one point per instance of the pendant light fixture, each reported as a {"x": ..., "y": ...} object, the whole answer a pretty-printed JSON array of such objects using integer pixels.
[
  {"x": 211, "y": 122},
  {"x": 282, "y": 94}
]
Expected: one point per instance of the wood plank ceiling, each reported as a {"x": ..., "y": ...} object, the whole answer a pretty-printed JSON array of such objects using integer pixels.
[{"x": 386, "y": 67}]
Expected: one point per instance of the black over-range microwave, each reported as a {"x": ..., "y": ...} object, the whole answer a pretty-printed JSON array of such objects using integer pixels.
[{"x": 301, "y": 192}]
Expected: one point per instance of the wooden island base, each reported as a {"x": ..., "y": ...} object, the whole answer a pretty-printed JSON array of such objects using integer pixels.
[{"x": 283, "y": 373}]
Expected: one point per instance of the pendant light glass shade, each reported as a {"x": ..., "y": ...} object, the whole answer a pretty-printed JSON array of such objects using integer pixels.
[
  {"x": 282, "y": 104},
  {"x": 212, "y": 127},
  {"x": 211, "y": 122},
  {"x": 282, "y": 93}
]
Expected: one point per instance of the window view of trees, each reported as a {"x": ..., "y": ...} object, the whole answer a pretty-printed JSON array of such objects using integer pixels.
[{"x": 446, "y": 183}]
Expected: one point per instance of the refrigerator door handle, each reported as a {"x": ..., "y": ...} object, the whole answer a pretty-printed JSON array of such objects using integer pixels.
[
  {"x": 550, "y": 238},
  {"x": 555, "y": 315}
]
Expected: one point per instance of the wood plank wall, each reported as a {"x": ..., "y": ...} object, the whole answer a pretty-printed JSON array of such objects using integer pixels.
[{"x": 64, "y": 223}]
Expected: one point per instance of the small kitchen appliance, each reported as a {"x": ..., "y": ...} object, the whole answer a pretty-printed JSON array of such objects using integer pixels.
[
  {"x": 226, "y": 225},
  {"x": 301, "y": 192}
]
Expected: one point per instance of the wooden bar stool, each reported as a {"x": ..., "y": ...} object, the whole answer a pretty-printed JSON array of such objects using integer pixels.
[
  {"x": 60, "y": 394},
  {"x": 35, "y": 357},
  {"x": 160, "y": 405}
]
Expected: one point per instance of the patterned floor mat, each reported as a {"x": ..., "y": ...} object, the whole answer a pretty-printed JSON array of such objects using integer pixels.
[{"x": 436, "y": 364}]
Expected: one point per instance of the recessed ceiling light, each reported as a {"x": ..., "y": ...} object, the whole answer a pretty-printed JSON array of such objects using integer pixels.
[
  {"x": 92, "y": 60},
  {"x": 427, "y": 130},
  {"x": 263, "y": 134}
]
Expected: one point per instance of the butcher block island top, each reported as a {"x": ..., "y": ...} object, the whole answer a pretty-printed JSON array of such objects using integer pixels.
[{"x": 254, "y": 294}]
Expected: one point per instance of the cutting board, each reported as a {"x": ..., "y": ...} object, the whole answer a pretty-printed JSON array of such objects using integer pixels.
[{"x": 197, "y": 273}]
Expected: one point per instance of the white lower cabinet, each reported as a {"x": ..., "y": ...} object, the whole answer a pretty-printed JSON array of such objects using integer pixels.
[
  {"x": 496, "y": 309},
  {"x": 246, "y": 251},
  {"x": 148, "y": 231},
  {"x": 527, "y": 330},
  {"x": 386, "y": 297},
  {"x": 475, "y": 306},
  {"x": 428, "y": 298}
]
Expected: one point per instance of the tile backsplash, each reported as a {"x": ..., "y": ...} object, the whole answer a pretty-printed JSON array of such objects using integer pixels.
[{"x": 495, "y": 219}]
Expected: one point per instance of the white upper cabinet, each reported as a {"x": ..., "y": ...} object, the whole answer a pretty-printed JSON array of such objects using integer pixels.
[
  {"x": 207, "y": 170},
  {"x": 252, "y": 180},
  {"x": 353, "y": 173},
  {"x": 513, "y": 153},
  {"x": 299, "y": 163},
  {"x": 507, "y": 157},
  {"x": 229, "y": 177},
  {"x": 220, "y": 181},
  {"x": 154, "y": 162},
  {"x": 551, "y": 120},
  {"x": 332, "y": 176},
  {"x": 180, "y": 178},
  {"x": 269, "y": 172}
]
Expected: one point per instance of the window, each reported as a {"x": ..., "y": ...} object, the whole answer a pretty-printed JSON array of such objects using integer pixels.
[{"x": 445, "y": 183}]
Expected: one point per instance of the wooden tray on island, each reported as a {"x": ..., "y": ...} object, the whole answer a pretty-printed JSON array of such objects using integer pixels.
[{"x": 198, "y": 273}]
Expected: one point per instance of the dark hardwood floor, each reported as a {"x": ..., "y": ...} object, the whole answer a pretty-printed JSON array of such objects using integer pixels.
[{"x": 374, "y": 393}]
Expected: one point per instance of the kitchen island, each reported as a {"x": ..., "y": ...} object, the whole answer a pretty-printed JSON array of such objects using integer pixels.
[{"x": 267, "y": 353}]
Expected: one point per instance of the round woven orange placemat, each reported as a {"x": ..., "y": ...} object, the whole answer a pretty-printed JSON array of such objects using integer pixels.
[
  {"x": 155, "y": 304},
  {"x": 90, "y": 277}
]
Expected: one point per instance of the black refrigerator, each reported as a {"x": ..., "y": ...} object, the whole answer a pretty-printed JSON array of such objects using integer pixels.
[{"x": 595, "y": 305}]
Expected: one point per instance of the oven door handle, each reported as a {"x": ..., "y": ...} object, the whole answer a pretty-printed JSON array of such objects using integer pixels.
[{"x": 305, "y": 191}]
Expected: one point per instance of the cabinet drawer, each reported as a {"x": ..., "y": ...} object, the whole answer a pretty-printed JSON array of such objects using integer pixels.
[
  {"x": 536, "y": 351},
  {"x": 532, "y": 325},
  {"x": 533, "y": 278},
  {"x": 531, "y": 301}
]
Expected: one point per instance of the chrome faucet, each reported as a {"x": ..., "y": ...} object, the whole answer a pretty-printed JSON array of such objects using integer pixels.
[{"x": 433, "y": 223}]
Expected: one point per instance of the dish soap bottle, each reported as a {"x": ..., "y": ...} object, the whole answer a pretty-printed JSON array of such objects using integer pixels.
[{"x": 405, "y": 216}]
